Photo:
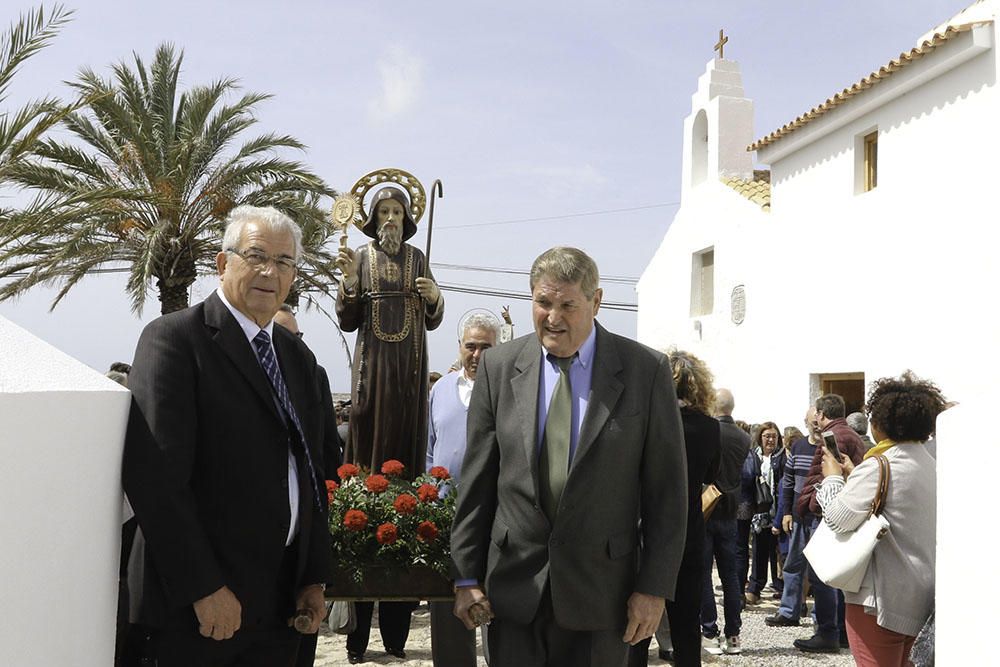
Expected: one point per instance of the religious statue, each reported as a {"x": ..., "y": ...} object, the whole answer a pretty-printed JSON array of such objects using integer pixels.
[{"x": 388, "y": 295}]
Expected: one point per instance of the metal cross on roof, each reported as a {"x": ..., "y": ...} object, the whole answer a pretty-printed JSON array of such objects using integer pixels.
[{"x": 721, "y": 43}]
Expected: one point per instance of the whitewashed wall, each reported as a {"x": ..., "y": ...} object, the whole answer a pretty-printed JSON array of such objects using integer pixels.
[
  {"x": 899, "y": 277},
  {"x": 63, "y": 426}
]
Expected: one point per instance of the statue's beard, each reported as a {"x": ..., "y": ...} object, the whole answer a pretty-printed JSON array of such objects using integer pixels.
[{"x": 390, "y": 239}]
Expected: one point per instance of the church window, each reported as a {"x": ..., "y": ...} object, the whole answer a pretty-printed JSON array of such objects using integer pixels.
[
  {"x": 871, "y": 161},
  {"x": 703, "y": 282},
  {"x": 866, "y": 161}
]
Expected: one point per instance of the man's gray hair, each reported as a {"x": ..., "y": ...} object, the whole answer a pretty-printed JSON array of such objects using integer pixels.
[
  {"x": 724, "y": 402},
  {"x": 117, "y": 376},
  {"x": 268, "y": 216},
  {"x": 482, "y": 321},
  {"x": 858, "y": 422},
  {"x": 566, "y": 265}
]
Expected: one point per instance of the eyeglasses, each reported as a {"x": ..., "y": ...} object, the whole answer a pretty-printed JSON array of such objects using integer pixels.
[{"x": 258, "y": 260}]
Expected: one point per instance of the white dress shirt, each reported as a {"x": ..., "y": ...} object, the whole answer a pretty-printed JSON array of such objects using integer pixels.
[
  {"x": 251, "y": 329},
  {"x": 465, "y": 388}
]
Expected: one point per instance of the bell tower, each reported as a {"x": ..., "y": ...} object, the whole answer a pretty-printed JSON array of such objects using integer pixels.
[{"x": 719, "y": 127}]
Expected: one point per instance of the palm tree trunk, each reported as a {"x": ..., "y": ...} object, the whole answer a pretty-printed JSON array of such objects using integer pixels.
[{"x": 174, "y": 294}]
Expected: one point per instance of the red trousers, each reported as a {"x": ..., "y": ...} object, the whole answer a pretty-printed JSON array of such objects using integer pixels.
[{"x": 873, "y": 645}]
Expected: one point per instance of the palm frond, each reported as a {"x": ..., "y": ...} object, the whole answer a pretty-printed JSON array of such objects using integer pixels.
[{"x": 31, "y": 33}]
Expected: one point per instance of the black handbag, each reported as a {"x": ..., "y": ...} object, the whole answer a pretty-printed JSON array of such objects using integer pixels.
[{"x": 762, "y": 494}]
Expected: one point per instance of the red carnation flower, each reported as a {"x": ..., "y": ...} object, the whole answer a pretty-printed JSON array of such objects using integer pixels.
[
  {"x": 440, "y": 472},
  {"x": 393, "y": 468},
  {"x": 386, "y": 533},
  {"x": 347, "y": 470},
  {"x": 331, "y": 486},
  {"x": 427, "y": 493},
  {"x": 377, "y": 483},
  {"x": 427, "y": 531},
  {"x": 355, "y": 520},
  {"x": 405, "y": 503}
]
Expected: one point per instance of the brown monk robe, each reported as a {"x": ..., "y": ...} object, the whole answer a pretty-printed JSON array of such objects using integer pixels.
[{"x": 389, "y": 379}]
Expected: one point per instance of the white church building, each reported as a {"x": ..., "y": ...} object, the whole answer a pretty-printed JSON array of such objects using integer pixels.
[{"x": 854, "y": 242}]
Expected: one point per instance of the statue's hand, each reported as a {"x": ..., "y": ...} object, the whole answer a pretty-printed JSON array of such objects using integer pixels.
[
  {"x": 347, "y": 262},
  {"x": 428, "y": 289}
]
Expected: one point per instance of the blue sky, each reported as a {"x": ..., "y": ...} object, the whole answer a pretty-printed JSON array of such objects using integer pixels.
[{"x": 524, "y": 110}]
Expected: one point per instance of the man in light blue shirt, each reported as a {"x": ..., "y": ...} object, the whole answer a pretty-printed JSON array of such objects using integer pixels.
[
  {"x": 571, "y": 515},
  {"x": 451, "y": 643}
]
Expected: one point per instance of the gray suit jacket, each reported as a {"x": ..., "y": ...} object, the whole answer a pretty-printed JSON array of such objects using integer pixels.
[{"x": 626, "y": 489}]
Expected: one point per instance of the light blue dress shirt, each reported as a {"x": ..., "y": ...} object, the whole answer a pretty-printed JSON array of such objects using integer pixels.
[{"x": 581, "y": 371}]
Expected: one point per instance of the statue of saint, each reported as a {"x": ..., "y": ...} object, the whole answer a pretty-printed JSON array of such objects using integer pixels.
[{"x": 385, "y": 296}]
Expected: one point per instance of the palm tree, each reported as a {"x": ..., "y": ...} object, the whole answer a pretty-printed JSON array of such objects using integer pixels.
[
  {"x": 147, "y": 182},
  {"x": 20, "y": 129}
]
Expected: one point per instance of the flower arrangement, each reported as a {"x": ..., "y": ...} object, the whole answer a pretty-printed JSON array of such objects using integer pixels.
[{"x": 384, "y": 520}]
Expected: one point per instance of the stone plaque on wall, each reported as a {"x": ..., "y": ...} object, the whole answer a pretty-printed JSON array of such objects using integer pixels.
[{"x": 738, "y": 304}]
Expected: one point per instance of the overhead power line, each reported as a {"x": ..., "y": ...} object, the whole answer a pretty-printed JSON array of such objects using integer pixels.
[
  {"x": 521, "y": 296},
  {"x": 457, "y": 288},
  {"x": 517, "y": 221},
  {"x": 621, "y": 280}
]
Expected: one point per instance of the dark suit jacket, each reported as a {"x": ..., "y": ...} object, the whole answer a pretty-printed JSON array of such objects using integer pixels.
[
  {"x": 206, "y": 464},
  {"x": 629, "y": 465},
  {"x": 735, "y": 447}
]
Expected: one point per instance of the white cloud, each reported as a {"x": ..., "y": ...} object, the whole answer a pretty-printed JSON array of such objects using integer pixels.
[{"x": 401, "y": 76}]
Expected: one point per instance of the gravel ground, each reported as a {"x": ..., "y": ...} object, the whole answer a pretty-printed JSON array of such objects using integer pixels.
[{"x": 762, "y": 645}]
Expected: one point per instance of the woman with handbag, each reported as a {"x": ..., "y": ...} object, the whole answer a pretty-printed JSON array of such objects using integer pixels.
[
  {"x": 768, "y": 466},
  {"x": 703, "y": 445},
  {"x": 897, "y": 480}
]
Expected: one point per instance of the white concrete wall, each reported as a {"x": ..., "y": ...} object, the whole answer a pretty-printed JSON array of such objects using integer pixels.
[
  {"x": 63, "y": 426},
  {"x": 965, "y": 586}
]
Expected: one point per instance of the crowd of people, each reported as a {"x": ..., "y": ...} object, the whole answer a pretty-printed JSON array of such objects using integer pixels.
[
  {"x": 229, "y": 548},
  {"x": 783, "y": 484}
]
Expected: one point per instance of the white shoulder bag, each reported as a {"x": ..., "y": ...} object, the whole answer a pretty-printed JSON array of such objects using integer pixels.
[{"x": 841, "y": 559}]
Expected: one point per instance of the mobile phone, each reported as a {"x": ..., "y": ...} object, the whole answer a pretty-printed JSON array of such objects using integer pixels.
[{"x": 831, "y": 444}]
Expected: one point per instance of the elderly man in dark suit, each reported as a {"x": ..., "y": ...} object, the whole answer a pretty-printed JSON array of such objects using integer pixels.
[
  {"x": 223, "y": 463},
  {"x": 570, "y": 518}
]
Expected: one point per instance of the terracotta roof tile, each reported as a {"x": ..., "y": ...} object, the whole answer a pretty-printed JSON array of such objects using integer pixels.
[
  {"x": 757, "y": 190},
  {"x": 864, "y": 84}
]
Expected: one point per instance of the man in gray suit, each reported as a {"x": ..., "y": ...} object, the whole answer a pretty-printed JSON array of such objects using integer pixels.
[{"x": 571, "y": 517}]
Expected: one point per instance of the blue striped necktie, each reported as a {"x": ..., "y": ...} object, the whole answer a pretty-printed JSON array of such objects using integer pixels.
[{"x": 262, "y": 342}]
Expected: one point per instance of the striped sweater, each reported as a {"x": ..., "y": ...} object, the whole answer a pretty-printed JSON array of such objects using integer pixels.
[{"x": 796, "y": 471}]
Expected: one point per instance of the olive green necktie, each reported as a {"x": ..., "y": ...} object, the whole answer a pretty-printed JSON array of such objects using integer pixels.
[{"x": 553, "y": 467}]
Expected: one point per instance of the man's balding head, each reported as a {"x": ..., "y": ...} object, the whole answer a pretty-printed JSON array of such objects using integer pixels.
[
  {"x": 724, "y": 403},
  {"x": 286, "y": 318}
]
